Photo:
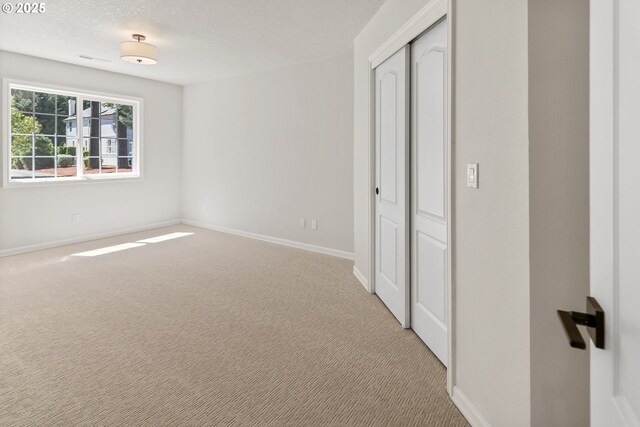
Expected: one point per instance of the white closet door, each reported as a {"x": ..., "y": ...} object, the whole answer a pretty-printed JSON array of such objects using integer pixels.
[
  {"x": 429, "y": 164},
  {"x": 392, "y": 186}
]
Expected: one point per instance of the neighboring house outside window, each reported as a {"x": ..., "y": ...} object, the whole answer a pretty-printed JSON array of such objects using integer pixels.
[
  {"x": 108, "y": 133},
  {"x": 42, "y": 139}
]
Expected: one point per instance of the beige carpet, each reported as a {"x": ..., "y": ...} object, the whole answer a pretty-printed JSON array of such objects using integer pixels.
[{"x": 209, "y": 329}]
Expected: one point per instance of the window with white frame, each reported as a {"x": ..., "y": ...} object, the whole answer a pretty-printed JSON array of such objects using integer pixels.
[{"x": 61, "y": 135}]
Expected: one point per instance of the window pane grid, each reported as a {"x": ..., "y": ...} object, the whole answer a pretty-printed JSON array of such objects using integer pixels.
[{"x": 45, "y": 129}]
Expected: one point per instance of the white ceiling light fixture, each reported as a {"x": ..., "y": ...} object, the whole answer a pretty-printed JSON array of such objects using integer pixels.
[{"x": 138, "y": 52}]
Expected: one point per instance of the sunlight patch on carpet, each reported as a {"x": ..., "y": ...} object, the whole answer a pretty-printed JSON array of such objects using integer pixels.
[
  {"x": 164, "y": 237},
  {"x": 109, "y": 249}
]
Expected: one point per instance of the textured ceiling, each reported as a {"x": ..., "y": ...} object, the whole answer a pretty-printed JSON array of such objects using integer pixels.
[{"x": 198, "y": 40}]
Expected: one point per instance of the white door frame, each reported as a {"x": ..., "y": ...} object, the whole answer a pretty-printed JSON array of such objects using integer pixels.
[{"x": 419, "y": 23}]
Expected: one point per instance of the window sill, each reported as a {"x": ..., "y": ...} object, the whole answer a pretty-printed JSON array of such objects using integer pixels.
[{"x": 53, "y": 182}]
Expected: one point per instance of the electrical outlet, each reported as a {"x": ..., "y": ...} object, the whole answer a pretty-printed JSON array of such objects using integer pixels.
[
  {"x": 75, "y": 218},
  {"x": 314, "y": 224},
  {"x": 303, "y": 223}
]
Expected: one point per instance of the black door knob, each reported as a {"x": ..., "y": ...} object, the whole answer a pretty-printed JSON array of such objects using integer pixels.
[{"x": 377, "y": 190}]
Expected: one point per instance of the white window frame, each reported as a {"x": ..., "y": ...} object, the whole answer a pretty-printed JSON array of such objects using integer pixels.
[{"x": 80, "y": 95}]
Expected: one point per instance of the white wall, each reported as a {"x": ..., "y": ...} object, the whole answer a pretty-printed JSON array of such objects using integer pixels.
[
  {"x": 263, "y": 150},
  {"x": 491, "y": 223},
  {"x": 41, "y": 215},
  {"x": 491, "y": 240},
  {"x": 559, "y": 206}
]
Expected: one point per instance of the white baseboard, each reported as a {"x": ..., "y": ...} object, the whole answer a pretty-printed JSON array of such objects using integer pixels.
[
  {"x": 468, "y": 409},
  {"x": 276, "y": 240},
  {"x": 363, "y": 280},
  {"x": 65, "y": 242},
  {"x": 271, "y": 239}
]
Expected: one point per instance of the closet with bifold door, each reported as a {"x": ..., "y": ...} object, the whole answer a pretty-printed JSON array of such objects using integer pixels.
[{"x": 412, "y": 151}]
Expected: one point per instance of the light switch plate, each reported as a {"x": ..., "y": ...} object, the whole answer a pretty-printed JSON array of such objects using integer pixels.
[
  {"x": 314, "y": 224},
  {"x": 303, "y": 223},
  {"x": 472, "y": 175}
]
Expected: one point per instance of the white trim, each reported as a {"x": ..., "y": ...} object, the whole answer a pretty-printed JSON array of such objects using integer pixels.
[
  {"x": 271, "y": 239},
  {"x": 450, "y": 183},
  {"x": 65, "y": 242},
  {"x": 372, "y": 180},
  {"x": 45, "y": 182},
  {"x": 420, "y": 22},
  {"x": 363, "y": 280},
  {"x": 426, "y": 17},
  {"x": 468, "y": 409},
  {"x": 6, "y": 135},
  {"x": 138, "y": 118}
]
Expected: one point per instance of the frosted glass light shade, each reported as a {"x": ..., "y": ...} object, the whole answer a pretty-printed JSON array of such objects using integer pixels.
[{"x": 138, "y": 53}]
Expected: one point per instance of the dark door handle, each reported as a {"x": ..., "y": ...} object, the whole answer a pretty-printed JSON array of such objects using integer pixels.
[
  {"x": 593, "y": 319},
  {"x": 377, "y": 191}
]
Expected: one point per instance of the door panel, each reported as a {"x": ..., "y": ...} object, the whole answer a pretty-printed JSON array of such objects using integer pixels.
[
  {"x": 430, "y": 93},
  {"x": 392, "y": 150},
  {"x": 432, "y": 259},
  {"x": 429, "y": 248},
  {"x": 388, "y": 137},
  {"x": 615, "y": 209},
  {"x": 389, "y": 251}
]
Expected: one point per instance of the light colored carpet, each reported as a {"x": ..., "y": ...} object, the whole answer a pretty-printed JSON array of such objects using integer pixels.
[{"x": 209, "y": 329}]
